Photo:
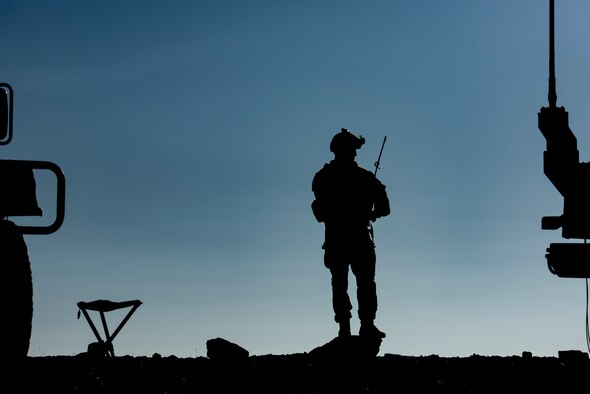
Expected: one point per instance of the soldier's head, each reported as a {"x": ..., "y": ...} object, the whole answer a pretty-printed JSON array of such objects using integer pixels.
[{"x": 344, "y": 144}]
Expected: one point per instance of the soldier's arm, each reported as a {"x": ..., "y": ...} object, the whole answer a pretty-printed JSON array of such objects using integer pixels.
[
  {"x": 381, "y": 207},
  {"x": 316, "y": 205}
]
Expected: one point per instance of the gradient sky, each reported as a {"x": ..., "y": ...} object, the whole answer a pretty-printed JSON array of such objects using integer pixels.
[{"x": 189, "y": 132}]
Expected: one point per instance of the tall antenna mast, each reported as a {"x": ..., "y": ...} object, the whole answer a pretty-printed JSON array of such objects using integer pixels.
[{"x": 552, "y": 96}]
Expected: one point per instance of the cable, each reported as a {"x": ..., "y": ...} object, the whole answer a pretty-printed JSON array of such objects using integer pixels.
[{"x": 587, "y": 325}]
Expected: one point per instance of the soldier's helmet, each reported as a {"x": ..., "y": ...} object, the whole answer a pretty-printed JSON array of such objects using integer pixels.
[{"x": 345, "y": 141}]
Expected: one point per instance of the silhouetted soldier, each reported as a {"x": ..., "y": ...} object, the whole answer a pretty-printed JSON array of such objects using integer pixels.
[{"x": 347, "y": 199}]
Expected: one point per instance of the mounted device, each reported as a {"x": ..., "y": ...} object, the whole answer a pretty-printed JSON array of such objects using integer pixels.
[{"x": 570, "y": 177}]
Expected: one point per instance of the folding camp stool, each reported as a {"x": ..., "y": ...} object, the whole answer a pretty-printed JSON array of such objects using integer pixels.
[{"x": 105, "y": 347}]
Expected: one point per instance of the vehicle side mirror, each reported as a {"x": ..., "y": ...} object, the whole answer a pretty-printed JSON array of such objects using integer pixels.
[{"x": 6, "y": 99}]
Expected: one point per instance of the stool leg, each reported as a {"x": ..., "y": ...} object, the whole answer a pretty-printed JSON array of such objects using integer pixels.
[
  {"x": 131, "y": 311},
  {"x": 92, "y": 326},
  {"x": 108, "y": 339}
]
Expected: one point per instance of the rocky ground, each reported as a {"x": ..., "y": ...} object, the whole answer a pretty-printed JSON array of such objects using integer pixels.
[{"x": 314, "y": 372}]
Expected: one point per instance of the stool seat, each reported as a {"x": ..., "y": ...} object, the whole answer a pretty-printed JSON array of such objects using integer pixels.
[
  {"x": 104, "y": 347},
  {"x": 106, "y": 305}
]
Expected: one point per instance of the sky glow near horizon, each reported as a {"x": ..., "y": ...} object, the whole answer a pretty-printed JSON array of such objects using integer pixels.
[{"x": 189, "y": 132}]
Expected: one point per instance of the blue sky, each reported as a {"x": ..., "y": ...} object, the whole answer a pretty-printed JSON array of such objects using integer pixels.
[{"x": 189, "y": 132}]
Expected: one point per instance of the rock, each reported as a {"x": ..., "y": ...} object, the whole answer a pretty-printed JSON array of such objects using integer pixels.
[
  {"x": 573, "y": 356},
  {"x": 527, "y": 355},
  {"x": 223, "y": 350},
  {"x": 348, "y": 347}
]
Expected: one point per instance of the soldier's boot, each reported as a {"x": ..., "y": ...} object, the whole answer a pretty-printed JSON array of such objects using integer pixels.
[{"x": 368, "y": 329}]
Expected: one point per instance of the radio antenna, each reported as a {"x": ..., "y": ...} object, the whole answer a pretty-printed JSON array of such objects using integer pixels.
[{"x": 552, "y": 95}]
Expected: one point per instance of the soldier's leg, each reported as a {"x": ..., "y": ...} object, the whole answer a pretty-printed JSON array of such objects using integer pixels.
[
  {"x": 340, "y": 299},
  {"x": 364, "y": 270}
]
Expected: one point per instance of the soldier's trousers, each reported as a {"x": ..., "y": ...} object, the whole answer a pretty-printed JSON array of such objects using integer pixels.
[{"x": 361, "y": 259}]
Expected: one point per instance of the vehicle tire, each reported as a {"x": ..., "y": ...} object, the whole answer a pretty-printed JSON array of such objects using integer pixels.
[{"x": 16, "y": 292}]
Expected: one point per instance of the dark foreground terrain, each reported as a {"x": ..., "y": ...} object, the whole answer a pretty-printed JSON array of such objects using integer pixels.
[{"x": 304, "y": 373}]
